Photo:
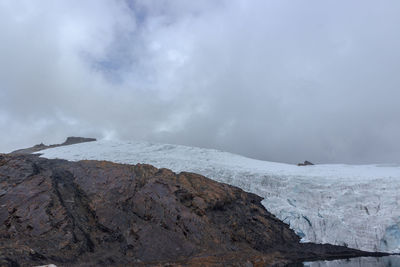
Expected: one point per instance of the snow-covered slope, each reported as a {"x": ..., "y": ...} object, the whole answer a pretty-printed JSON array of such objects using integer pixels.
[{"x": 354, "y": 205}]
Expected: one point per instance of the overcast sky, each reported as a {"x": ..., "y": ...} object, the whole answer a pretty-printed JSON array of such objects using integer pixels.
[{"x": 276, "y": 80}]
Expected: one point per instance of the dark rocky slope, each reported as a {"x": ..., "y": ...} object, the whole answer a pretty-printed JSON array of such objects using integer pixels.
[{"x": 93, "y": 213}]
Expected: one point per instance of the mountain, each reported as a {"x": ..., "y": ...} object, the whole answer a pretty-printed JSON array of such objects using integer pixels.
[
  {"x": 96, "y": 213},
  {"x": 350, "y": 205}
]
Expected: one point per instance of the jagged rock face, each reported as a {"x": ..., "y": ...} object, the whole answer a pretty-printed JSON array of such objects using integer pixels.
[{"x": 63, "y": 212}]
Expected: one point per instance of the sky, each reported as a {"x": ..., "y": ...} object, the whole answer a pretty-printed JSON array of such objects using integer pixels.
[{"x": 283, "y": 80}]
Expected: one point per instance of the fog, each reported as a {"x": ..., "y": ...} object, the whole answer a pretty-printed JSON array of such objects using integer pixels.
[{"x": 275, "y": 80}]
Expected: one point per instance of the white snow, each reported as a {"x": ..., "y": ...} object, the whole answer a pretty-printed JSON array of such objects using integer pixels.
[{"x": 354, "y": 205}]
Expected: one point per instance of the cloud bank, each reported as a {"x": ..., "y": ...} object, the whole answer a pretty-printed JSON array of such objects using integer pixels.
[{"x": 274, "y": 80}]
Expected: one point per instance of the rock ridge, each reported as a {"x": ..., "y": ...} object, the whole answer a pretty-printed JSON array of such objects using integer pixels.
[{"x": 69, "y": 141}]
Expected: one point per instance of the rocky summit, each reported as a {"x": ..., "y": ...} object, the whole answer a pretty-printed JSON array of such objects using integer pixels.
[
  {"x": 98, "y": 213},
  {"x": 69, "y": 141}
]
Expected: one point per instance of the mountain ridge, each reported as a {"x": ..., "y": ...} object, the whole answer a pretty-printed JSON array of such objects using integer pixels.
[
  {"x": 91, "y": 213},
  {"x": 71, "y": 140}
]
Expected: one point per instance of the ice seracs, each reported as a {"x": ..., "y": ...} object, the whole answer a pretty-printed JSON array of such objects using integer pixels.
[{"x": 353, "y": 205}]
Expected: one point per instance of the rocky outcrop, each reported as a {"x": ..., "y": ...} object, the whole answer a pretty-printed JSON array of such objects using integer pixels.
[
  {"x": 76, "y": 140},
  {"x": 305, "y": 163},
  {"x": 69, "y": 141},
  {"x": 92, "y": 213}
]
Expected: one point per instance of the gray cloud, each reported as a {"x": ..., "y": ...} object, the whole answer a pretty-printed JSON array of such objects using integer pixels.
[{"x": 274, "y": 80}]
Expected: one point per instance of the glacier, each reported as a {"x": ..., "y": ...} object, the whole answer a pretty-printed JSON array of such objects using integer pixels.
[
  {"x": 353, "y": 205},
  {"x": 362, "y": 261}
]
